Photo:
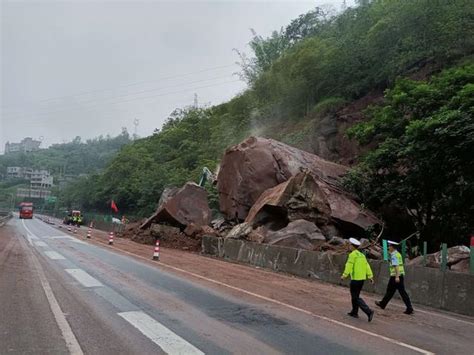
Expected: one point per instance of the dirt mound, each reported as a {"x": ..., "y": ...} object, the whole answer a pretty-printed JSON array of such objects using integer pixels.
[{"x": 169, "y": 237}]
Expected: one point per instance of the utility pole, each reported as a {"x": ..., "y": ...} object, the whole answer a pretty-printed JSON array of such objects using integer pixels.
[
  {"x": 195, "y": 100},
  {"x": 136, "y": 122}
]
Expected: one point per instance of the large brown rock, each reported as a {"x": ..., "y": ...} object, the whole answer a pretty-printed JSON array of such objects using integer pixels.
[
  {"x": 258, "y": 164},
  {"x": 183, "y": 207},
  {"x": 299, "y": 234},
  {"x": 305, "y": 197},
  {"x": 300, "y": 197},
  {"x": 273, "y": 178}
]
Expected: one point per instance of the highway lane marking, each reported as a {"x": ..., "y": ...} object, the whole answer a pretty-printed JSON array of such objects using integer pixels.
[
  {"x": 41, "y": 244},
  {"x": 54, "y": 256},
  {"x": 394, "y": 341},
  {"x": 66, "y": 331},
  {"x": 31, "y": 238},
  {"x": 84, "y": 278},
  {"x": 271, "y": 300},
  {"x": 67, "y": 237},
  {"x": 170, "y": 342},
  {"x": 418, "y": 310}
]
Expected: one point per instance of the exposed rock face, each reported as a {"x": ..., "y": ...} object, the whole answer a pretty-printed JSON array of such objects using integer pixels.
[
  {"x": 258, "y": 164},
  {"x": 300, "y": 234},
  {"x": 183, "y": 207}
]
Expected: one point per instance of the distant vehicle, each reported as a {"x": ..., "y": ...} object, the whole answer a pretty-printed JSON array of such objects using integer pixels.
[
  {"x": 69, "y": 219},
  {"x": 26, "y": 210}
]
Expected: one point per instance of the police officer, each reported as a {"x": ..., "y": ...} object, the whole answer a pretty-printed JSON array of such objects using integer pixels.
[
  {"x": 359, "y": 270},
  {"x": 396, "y": 282}
]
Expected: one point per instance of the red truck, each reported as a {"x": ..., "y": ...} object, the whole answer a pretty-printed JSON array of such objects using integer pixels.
[{"x": 26, "y": 210}]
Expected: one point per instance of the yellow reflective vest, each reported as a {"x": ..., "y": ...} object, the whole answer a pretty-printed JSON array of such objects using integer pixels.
[
  {"x": 396, "y": 260},
  {"x": 358, "y": 267}
]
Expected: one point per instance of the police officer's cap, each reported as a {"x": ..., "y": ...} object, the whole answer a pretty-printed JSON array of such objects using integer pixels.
[
  {"x": 354, "y": 241},
  {"x": 391, "y": 242}
]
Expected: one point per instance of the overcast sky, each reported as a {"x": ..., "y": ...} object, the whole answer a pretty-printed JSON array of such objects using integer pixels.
[{"x": 88, "y": 68}]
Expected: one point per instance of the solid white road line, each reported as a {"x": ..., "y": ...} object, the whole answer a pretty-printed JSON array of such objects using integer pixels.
[
  {"x": 53, "y": 255},
  {"x": 69, "y": 337},
  {"x": 41, "y": 244},
  {"x": 170, "y": 342},
  {"x": 84, "y": 278}
]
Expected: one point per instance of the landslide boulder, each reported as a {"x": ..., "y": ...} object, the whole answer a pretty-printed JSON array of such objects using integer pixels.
[
  {"x": 299, "y": 234},
  {"x": 264, "y": 180},
  {"x": 258, "y": 164},
  {"x": 300, "y": 197},
  {"x": 182, "y": 207}
]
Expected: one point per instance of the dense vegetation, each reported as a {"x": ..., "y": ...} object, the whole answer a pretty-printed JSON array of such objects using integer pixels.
[
  {"x": 423, "y": 161},
  {"x": 320, "y": 62}
]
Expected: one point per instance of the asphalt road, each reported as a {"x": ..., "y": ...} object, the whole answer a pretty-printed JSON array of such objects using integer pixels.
[{"x": 59, "y": 295}]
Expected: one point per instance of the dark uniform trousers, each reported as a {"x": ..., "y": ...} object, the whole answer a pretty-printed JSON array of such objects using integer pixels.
[
  {"x": 357, "y": 302},
  {"x": 394, "y": 286}
]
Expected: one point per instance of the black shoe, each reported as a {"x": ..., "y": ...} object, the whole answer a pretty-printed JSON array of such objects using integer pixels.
[
  {"x": 371, "y": 315},
  {"x": 352, "y": 315},
  {"x": 409, "y": 311},
  {"x": 379, "y": 304}
]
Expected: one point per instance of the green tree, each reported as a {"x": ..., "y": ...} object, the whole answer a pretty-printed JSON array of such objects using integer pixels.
[{"x": 422, "y": 163}]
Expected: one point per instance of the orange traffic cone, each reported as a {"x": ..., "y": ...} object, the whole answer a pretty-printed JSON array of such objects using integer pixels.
[
  {"x": 156, "y": 253},
  {"x": 111, "y": 238}
]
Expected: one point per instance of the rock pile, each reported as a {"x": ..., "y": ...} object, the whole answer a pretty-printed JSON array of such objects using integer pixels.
[
  {"x": 270, "y": 193},
  {"x": 286, "y": 196},
  {"x": 458, "y": 259}
]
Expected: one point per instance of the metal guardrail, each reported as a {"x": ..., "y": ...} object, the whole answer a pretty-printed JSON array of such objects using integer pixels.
[{"x": 4, "y": 217}]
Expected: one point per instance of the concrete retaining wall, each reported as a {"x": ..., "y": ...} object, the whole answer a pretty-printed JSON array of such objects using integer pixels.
[{"x": 448, "y": 290}]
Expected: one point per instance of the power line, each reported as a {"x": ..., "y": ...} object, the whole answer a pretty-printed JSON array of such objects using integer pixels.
[
  {"x": 129, "y": 100},
  {"x": 132, "y": 93},
  {"x": 129, "y": 84}
]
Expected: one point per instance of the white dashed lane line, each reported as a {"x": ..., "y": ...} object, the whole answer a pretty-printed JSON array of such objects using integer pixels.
[
  {"x": 53, "y": 255},
  {"x": 84, "y": 278},
  {"x": 167, "y": 340},
  {"x": 41, "y": 244}
]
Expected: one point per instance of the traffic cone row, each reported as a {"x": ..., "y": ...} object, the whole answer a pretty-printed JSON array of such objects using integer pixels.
[
  {"x": 111, "y": 238},
  {"x": 156, "y": 253},
  {"x": 89, "y": 233}
]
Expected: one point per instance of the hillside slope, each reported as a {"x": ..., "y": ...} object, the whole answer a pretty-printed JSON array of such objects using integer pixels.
[{"x": 308, "y": 84}]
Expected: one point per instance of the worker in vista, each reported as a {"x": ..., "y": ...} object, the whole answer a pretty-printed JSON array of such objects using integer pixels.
[
  {"x": 359, "y": 270},
  {"x": 396, "y": 282}
]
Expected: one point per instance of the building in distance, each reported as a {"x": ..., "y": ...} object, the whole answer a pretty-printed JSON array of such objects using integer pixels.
[{"x": 27, "y": 145}]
